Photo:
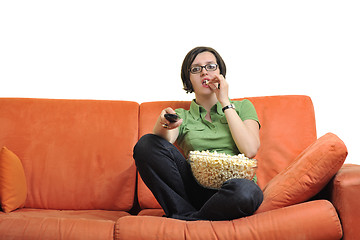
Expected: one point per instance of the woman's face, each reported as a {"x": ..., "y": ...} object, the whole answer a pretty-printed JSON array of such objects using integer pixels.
[{"x": 198, "y": 80}]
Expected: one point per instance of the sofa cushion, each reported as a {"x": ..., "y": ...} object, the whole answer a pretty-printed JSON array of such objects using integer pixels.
[
  {"x": 307, "y": 175},
  {"x": 77, "y": 154},
  {"x": 311, "y": 220},
  {"x": 55, "y": 224},
  {"x": 13, "y": 187}
]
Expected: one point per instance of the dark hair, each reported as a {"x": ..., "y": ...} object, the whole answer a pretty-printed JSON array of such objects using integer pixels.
[{"x": 188, "y": 60}]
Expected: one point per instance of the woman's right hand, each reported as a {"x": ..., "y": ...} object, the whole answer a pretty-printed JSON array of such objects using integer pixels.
[
  {"x": 164, "y": 128},
  {"x": 166, "y": 123}
]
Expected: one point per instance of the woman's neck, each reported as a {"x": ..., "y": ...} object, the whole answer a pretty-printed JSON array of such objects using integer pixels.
[{"x": 206, "y": 101}]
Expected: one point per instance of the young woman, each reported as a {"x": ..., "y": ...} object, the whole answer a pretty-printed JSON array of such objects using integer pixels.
[{"x": 213, "y": 122}]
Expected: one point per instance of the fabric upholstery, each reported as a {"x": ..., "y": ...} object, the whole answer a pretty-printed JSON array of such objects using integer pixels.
[
  {"x": 102, "y": 215},
  {"x": 77, "y": 154},
  {"x": 33, "y": 224},
  {"x": 13, "y": 189},
  {"x": 307, "y": 175},
  {"x": 345, "y": 196},
  {"x": 294, "y": 222}
]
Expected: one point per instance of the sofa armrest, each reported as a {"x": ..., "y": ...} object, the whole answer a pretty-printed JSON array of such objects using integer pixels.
[{"x": 345, "y": 194}]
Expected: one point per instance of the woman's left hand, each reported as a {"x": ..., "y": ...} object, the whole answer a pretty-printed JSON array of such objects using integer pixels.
[{"x": 221, "y": 89}]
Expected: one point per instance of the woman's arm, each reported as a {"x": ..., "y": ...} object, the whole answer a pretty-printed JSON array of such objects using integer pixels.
[
  {"x": 165, "y": 128},
  {"x": 245, "y": 133}
]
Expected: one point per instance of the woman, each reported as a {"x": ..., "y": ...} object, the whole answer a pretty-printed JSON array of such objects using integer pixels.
[{"x": 212, "y": 123}]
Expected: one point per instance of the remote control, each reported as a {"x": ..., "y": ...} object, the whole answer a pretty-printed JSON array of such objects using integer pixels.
[{"x": 171, "y": 117}]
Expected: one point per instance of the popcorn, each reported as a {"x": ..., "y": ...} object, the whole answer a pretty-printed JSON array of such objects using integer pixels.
[{"x": 212, "y": 169}]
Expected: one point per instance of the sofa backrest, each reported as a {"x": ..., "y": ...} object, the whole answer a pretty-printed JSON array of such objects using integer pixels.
[
  {"x": 77, "y": 154},
  {"x": 287, "y": 128}
]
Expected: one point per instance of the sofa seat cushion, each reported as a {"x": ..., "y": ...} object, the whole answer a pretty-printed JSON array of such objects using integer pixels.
[
  {"x": 312, "y": 220},
  {"x": 56, "y": 224}
]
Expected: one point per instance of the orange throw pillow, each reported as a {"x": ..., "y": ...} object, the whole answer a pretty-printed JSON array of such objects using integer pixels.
[
  {"x": 307, "y": 175},
  {"x": 13, "y": 189}
]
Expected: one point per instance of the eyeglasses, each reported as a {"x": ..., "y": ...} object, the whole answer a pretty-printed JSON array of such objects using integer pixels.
[{"x": 208, "y": 67}]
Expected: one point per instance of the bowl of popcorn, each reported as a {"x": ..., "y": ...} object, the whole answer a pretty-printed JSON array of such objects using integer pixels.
[{"x": 212, "y": 169}]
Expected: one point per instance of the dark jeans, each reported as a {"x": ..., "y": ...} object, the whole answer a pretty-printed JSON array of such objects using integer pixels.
[{"x": 167, "y": 174}]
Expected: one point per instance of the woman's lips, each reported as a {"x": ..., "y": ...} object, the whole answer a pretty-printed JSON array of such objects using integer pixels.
[{"x": 205, "y": 83}]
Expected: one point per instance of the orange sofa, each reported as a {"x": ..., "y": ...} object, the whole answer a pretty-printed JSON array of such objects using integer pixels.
[{"x": 67, "y": 172}]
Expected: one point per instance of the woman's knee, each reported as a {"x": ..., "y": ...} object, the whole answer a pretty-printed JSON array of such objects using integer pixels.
[
  {"x": 149, "y": 142},
  {"x": 246, "y": 193},
  {"x": 144, "y": 143},
  {"x": 144, "y": 146},
  {"x": 149, "y": 147}
]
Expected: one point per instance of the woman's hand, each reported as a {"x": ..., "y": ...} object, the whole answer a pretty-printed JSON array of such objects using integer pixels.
[
  {"x": 166, "y": 129},
  {"x": 166, "y": 123},
  {"x": 221, "y": 89}
]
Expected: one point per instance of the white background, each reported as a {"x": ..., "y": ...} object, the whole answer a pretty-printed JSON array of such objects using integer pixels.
[{"x": 133, "y": 50}]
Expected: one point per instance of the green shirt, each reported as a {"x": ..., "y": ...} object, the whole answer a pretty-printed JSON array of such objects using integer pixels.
[{"x": 196, "y": 133}]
